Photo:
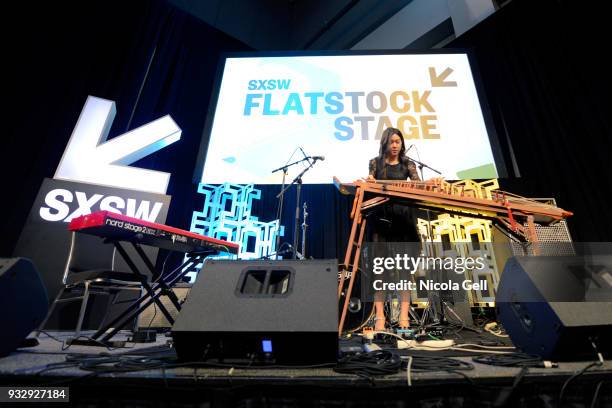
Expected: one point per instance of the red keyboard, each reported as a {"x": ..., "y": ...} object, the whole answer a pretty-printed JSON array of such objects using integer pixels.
[{"x": 120, "y": 227}]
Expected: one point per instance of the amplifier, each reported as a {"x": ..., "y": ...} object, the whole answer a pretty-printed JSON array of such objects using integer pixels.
[{"x": 277, "y": 312}]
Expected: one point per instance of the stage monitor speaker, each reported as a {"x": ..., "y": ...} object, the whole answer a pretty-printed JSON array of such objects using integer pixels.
[
  {"x": 282, "y": 312},
  {"x": 23, "y": 302},
  {"x": 557, "y": 306}
]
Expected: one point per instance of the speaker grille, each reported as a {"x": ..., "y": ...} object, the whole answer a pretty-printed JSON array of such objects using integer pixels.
[{"x": 549, "y": 238}]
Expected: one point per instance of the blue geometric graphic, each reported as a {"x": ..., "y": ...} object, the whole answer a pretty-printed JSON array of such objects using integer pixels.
[{"x": 226, "y": 215}]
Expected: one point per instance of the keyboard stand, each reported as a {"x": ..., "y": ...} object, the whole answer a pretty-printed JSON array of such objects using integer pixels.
[{"x": 153, "y": 292}]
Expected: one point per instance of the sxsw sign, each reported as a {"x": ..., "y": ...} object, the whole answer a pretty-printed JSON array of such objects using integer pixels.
[
  {"x": 89, "y": 158},
  {"x": 101, "y": 168},
  {"x": 62, "y": 204}
]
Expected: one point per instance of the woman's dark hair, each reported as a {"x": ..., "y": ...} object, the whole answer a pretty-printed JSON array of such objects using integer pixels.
[{"x": 384, "y": 142}]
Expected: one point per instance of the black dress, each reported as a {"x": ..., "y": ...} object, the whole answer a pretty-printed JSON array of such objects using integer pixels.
[
  {"x": 401, "y": 171},
  {"x": 393, "y": 222}
]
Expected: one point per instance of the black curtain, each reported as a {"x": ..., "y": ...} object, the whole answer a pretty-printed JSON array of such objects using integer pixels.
[
  {"x": 549, "y": 93},
  {"x": 546, "y": 88},
  {"x": 328, "y": 216},
  {"x": 58, "y": 53},
  {"x": 63, "y": 53}
]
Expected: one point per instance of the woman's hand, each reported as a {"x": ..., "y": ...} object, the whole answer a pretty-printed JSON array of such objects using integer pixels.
[
  {"x": 435, "y": 180},
  {"x": 370, "y": 178}
]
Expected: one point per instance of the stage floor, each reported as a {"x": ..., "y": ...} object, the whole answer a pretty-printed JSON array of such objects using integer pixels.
[{"x": 50, "y": 364}]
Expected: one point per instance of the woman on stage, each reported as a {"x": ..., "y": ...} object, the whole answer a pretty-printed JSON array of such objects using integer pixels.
[{"x": 393, "y": 222}]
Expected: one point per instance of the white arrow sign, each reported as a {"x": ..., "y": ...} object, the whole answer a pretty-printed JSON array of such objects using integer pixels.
[{"x": 89, "y": 158}]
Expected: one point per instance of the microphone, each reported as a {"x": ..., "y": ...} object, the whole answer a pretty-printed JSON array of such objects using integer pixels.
[
  {"x": 304, "y": 153},
  {"x": 317, "y": 158},
  {"x": 409, "y": 147}
]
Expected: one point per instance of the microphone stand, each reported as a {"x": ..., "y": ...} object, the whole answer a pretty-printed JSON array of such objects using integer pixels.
[
  {"x": 280, "y": 210},
  {"x": 298, "y": 181},
  {"x": 296, "y": 231},
  {"x": 304, "y": 228},
  {"x": 421, "y": 165},
  {"x": 281, "y": 197}
]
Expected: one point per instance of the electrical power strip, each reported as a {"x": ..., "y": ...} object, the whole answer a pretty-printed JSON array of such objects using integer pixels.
[{"x": 427, "y": 344}]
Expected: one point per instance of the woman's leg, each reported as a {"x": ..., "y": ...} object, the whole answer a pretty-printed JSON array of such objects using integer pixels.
[
  {"x": 404, "y": 319},
  {"x": 379, "y": 308},
  {"x": 405, "y": 232},
  {"x": 379, "y": 297}
]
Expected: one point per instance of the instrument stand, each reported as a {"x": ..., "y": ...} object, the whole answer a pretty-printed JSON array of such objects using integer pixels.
[
  {"x": 439, "y": 309},
  {"x": 510, "y": 214},
  {"x": 450, "y": 311},
  {"x": 153, "y": 292},
  {"x": 438, "y": 316}
]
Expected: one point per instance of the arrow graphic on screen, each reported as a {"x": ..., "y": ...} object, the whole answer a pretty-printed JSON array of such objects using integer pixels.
[
  {"x": 89, "y": 158},
  {"x": 438, "y": 80}
]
